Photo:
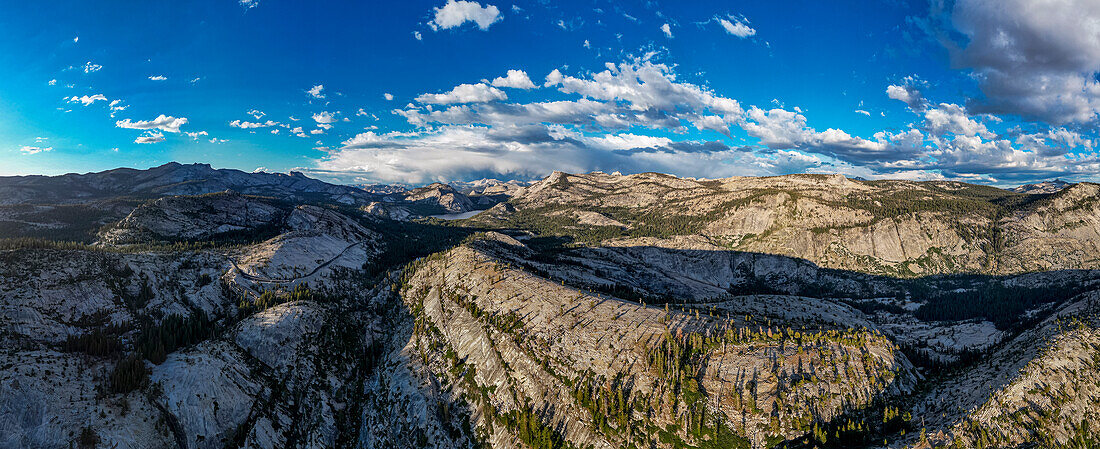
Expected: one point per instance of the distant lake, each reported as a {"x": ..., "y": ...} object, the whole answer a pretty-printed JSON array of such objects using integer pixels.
[{"x": 457, "y": 216}]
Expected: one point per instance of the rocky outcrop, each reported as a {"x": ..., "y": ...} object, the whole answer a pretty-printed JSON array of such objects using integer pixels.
[
  {"x": 1039, "y": 388},
  {"x": 318, "y": 241},
  {"x": 229, "y": 361},
  {"x": 1044, "y": 187},
  {"x": 899, "y": 228},
  {"x": 172, "y": 179},
  {"x": 441, "y": 195},
  {"x": 604, "y": 311},
  {"x": 535, "y": 343},
  {"x": 193, "y": 218},
  {"x": 388, "y": 211},
  {"x": 1059, "y": 232},
  {"x": 489, "y": 187}
]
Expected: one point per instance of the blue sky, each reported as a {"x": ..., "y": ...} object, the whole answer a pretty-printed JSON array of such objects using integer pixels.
[{"x": 998, "y": 92}]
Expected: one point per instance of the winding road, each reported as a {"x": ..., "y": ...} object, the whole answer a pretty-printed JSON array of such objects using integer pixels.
[{"x": 263, "y": 280}]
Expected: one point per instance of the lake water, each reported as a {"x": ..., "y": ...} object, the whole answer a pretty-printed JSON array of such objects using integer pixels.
[{"x": 457, "y": 216}]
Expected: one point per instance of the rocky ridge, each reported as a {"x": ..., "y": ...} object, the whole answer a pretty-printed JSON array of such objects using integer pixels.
[
  {"x": 899, "y": 228},
  {"x": 603, "y": 311}
]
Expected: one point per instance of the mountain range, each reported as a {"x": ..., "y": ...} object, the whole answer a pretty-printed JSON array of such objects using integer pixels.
[{"x": 184, "y": 306}]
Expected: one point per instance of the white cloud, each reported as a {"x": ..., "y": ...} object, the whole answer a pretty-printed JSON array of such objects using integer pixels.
[
  {"x": 455, "y": 13},
  {"x": 316, "y": 91},
  {"x": 465, "y": 93},
  {"x": 324, "y": 117},
  {"x": 953, "y": 119},
  {"x": 162, "y": 122},
  {"x": 604, "y": 122},
  {"x": 516, "y": 79},
  {"x": 216, "y": 140},
  {"x": 552, "y": 78},
  {"x": 89, "y": 67},
  {"x": 196, "y": 80},
  {"x": 87, "y": 100},
  {"x": 645, "y": 86},
  {"x": 196, "y": 135},
  {"x": 150, "y": 137},
  {"x": 252, "y": 125},
  {"x": 76, "y": 39},
  {"x": 418, "y": 36},
  {"x": 388, "y": 96},
  {"x": 29, "y": 150},
  {"x": 249, "y": 4},
  {"x": 630, "y": 94},
  {"x": 738, "y": 27},
  {"x": 158, "y": 78},
  {"x": 667, "y": 30},
  {"x": 256, "y": 113},
  {"x": 52, "y": 82},
  {"x": 909, "y": 93},
  {"x": 117, "y": 106},
  {"x": 783, "y": 129}
]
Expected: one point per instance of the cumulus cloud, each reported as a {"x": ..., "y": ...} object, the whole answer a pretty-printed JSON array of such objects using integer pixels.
[
  {"x": 466, "y": 152},
  {"x": 647, "y": 87},
  {"x": 953, "y": 119},
  {"x": 667, "y": 30},
  {"x": 1035, "y": 60},
  {"x": 324, "y": 117},
  {"x": 252, "y": 125},
  {"x": 909, "y": 93},
  {"x": 316, "y": 91},
  {"x": 87, "y": 100},
  {"x": 625, "y": 95},
  {"x": 162, "y": 122},
  {"x": 455, "y": 13},
  {"x": 639, "y": 115},
  {"x": 196, "y": 135},
  {"x": 158, "y": 78},
  {"x": 388, "y": 96},
  {"x": 737, "y": 26},
  {"x": 29, "y": 150},
  {"x": 248, "y": 4},
  {"x": 150, "y": 137},
  {"x": 516, "y": 79},
  {"x": 552, "y": 78},
  {"x": 90, "y": 67},
  {"x": 499, "y": 138},
  {"x": 465, "y": 93}
]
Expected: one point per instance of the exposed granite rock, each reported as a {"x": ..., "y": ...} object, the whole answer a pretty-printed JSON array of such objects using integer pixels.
[{"x": 190, "y": 218}]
